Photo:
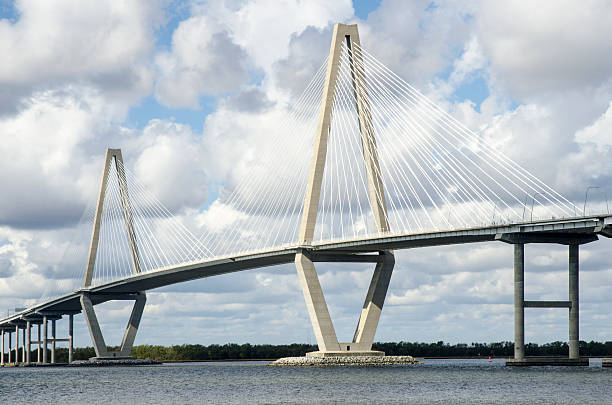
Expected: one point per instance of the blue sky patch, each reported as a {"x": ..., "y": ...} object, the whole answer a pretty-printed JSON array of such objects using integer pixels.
[
  {"x": 149, "y": 108},
  {"x": 365, "y": 7},
  {"x": 176, "y": 11},
  {"x": 8, "y": 11},
  {"x": 475, "y": 89}
]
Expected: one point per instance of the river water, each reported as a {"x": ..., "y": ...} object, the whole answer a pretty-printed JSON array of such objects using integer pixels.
[{"x": 434, "y": 382}]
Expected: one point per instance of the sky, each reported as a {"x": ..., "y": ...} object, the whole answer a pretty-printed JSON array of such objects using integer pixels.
[{"x": 181, "y": 86}]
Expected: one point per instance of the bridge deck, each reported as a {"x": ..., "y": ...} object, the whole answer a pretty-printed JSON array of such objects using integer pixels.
[{"x": 565, "y": 231}]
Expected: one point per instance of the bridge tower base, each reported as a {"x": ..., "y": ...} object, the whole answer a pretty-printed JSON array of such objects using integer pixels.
[
  {"x": 361, "y": 345},
  {"x": 102, "y": 352}
]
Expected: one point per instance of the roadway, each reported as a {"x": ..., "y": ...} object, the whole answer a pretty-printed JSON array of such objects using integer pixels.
[{"x": 578, "y": 230}]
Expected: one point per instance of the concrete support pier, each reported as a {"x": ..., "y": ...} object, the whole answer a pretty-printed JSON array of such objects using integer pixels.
[
  {"x": 519, "y": 313},
  {"x": 519, "y": 299},
  {"x": 573, "y": 299},
  {"x": 28, "y": 340},
  {"x": 2, "y": 349},
  {"x": 38, "y": 351},
  {"x": 16, "y": 344},
  {"x": 70, "y": 338},
  {"x": 53, "y": 341},
  {"x": 10, "y": 347},
  {"x": 44, "y": 340},
  {"x": 102, "y": 352}
]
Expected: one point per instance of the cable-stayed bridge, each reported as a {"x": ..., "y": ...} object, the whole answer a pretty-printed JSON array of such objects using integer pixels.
[{"x": 360, "y": 165}]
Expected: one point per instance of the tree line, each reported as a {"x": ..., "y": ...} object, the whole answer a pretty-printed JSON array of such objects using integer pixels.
[{"x": 233, "y": 351}]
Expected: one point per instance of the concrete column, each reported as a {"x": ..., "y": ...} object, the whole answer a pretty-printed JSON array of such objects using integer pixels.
[
  {"x": 10, "y": 348},
  {"x": 16, "y": 344},
  {"x": 315, "y": 302},
  {"x": 132, "y": 327},
  {"x": 519, "y": 299},
  {"x": 94, "y": 326},
  {"x": 23, "y": 345},
  {"x": 70, "y": 338},
  {"x": 28, "y": 340},
  {"x": 44, "y": 339},
  {"x": 2, "y": 349},
  {"x": 375, "y": 298},
  {"x": 53, "y": 341},
  {"x": 573, "y": 298},
  {"x": 39, "y": 345}
]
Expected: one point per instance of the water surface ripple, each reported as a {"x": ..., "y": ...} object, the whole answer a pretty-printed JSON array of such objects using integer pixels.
[{"x": 434, "y": 382}]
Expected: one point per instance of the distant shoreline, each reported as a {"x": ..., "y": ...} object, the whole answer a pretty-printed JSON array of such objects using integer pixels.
[
  {"x": 266, "y": 352},
  {"x": 416, "y": 357}
]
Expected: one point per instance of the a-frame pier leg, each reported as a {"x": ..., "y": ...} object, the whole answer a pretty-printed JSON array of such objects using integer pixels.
[
  {"x": 94, "y": 326},
  {"x": 374, "y": 301},
  {"x": 130, "y": 331},
  {"x": 315, "y": 302}
]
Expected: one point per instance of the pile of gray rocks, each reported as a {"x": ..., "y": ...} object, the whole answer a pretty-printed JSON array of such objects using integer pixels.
[
  {"x": 344, "y": 361},
  {"x": 110, "y": 363}
]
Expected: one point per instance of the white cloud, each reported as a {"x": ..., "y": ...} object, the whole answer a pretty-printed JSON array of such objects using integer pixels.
[
  {"x": 171, "y": 165},
  {"x": 48, "y": 141},
  {"x": 264, "y": 27},
  {"x": 102, "y": 42},
  {"x": 204, "y": 60},
  {"x": 535, "y": 49},
  {"x": 599, "y": 133}
]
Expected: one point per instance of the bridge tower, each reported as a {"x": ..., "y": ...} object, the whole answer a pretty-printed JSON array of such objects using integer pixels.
[
  {"x": 89, "y": 298},
  {"x": 304, "y": 260}
]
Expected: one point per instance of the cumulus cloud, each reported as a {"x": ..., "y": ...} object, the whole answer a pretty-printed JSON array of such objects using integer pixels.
[
  {"x": 170, "y": 165},
  {"x": 204, "y": 60},
  {"x": 551, "y": 46},
  {"x": 69, "y": 41},
  {"x": 46, "y": 141}
]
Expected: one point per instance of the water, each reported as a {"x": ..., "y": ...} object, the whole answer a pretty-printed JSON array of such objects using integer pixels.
[{"x": 434, "y": 382}]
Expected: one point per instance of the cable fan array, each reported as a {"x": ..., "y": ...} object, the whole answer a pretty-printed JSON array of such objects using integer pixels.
[
  {"x": 437, "y": 174},
  {"x": 161, "y": 240},
  {"x": 264, "y": 209}
]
